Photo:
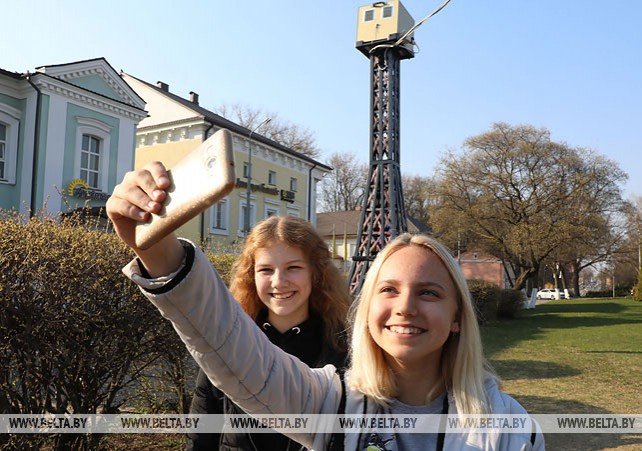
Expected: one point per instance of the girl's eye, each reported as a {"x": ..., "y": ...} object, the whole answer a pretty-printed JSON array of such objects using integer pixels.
[
  {"x": 428, "y": 293},
  {"x": 387, "y": 290},
  {"x": 264, "y": 271}
]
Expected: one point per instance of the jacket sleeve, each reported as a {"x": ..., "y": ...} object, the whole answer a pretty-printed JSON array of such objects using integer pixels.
[{"x": 235, "y": 355}]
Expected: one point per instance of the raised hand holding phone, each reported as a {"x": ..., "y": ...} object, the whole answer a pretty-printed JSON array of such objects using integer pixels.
[{"x": 198, "y": 181}]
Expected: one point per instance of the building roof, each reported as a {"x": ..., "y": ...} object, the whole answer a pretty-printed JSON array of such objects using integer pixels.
[
  {"x": 15, "y": 75},
  {"x": 222, "y": 122},
  {"x": 62, "y": 74},
  {"x": 347, "y": 222},
  {"x": 342, "y": 221}
]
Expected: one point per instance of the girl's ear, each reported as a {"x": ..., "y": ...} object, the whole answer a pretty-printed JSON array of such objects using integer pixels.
[{"x": 454, "y": 327}]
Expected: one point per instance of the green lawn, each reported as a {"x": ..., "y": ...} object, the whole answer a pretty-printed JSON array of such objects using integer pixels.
[
  {"x": 576, "y": 356},
  {"x": 573, "y": 356}
]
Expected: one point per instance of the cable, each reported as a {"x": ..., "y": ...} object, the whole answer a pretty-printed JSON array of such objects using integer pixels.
[
  {"x": 414, "y": 27},
  {"x": 401, "y": 39}
]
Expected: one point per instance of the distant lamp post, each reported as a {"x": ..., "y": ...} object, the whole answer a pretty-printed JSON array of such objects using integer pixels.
[{"x": 246, "y": 218}]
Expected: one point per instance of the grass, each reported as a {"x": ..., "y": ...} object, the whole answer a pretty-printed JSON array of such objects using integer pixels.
[{"x": 573, "y": 356}]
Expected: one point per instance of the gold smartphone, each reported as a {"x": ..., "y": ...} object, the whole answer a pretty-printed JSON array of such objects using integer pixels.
[{"x": 199, "y": 180}]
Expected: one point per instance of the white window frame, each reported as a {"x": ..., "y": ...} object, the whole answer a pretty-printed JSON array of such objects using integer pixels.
[
  {"x": 10, "y": 118},
  {"x": 294, "y": 184},
  {"x": 89, "y": 174},
  {"x": 222, "y": 207},
  {"x": 242, "y": 207},
  {"x": 100, "y": 130},
  {"x": 365, "y": 15},
  {"x": 387, "y": 8},
  {"x": 4, "y": 151},
  {"x": 271, "y": 178},
  {"x": 293, "y": 211},
  {"x": 271, "y": 209}
]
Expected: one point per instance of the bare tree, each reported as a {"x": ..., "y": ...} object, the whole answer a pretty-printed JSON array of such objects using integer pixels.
[
  {"x": 418, "y": 195},
  {"x": 290, "y": 135},
  {"x": 344, "y": 187},
  {"x": 629, "y": 257},
  {"x": 526, "y": 198}
]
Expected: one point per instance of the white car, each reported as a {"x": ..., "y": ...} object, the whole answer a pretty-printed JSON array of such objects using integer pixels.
[{"x": 550, "y": 294}]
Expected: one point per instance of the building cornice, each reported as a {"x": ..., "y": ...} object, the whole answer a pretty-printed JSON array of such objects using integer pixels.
[
  {"x": 15, "y": 88},
  {"x": 171, "y": 132},
  {"x": 190, "y": 128},
  {"x": 48, "y": 84},
  {"x": 98, "y": 67}
]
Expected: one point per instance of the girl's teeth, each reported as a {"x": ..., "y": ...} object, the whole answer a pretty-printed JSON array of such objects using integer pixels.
[{"x": 405, "y": 330}]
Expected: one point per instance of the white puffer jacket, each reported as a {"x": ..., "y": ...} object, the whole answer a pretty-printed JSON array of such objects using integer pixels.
[{"x": 255, "y": 374}]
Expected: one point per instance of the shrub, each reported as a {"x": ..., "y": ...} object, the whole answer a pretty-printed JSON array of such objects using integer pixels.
[
  {"x": 510, "y": 303},
  {"x": 74, "y": 332},
  {"x": 598, "y": 294},
  {"x": 167, "y": 386},
  {"x": 486, "y": 297},
  {"x": 223, "y": 264},
  {"x": 637, "y": 289}
]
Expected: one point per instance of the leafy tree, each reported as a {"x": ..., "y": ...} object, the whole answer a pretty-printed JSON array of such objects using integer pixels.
[
  {"x": 343, "y": 188},
  {"x": 523, "y": 197},
  {"x": 290, "y": 135}
]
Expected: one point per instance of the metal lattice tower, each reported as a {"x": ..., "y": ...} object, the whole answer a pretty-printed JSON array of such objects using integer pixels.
[{"x": 383, "y": 214}]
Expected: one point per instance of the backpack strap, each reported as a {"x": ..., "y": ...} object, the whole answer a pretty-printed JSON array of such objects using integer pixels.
[
  {"x": 533, "y": 433},
  {"x": 337, "y": 438},
  {"x": 441, "y": 437}
]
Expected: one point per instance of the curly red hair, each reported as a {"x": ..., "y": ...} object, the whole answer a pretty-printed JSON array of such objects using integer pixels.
[{"x": 330, "y": 298}]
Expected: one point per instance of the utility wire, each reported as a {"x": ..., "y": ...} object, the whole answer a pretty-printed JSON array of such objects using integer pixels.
[
  {"x": 414, "y": 27},
  {"x": 401, "y": 39}
]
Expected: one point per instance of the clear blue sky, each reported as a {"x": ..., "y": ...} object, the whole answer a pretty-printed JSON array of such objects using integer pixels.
[{"x": 572, "y": 66}]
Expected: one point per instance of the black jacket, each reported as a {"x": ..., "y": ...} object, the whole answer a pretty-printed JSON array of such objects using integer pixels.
[{"x": 305, "y": 341}]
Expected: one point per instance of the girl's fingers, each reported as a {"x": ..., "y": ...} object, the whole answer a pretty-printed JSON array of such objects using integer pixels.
[
  {"x": 159, "y": 174},
  {"x": 118, "y": 207},
  {"x": 140, "y": 192}
]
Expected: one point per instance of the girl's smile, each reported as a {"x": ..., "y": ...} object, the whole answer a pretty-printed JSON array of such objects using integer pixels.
[
  {"x": 414, "y": 308},
  {"x": 283, "y": 282}
]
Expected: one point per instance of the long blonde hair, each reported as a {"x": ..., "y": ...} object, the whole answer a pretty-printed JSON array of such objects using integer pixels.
[
  {"x": 463, "y": 367},
  {"x": 330, "y": 297}
]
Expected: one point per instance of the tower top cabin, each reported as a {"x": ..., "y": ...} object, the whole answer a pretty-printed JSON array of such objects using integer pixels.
[{"x": 383, "y": 24}]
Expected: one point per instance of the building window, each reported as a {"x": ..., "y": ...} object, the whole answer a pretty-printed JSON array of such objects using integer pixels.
[
  {"x": 368, "y": 15},
  {"x": 90, "y": 160},
  {"x": 219, "y": 216},
  {"x": 92, "y": 155},
  {"x": 293, "y": 184},
  {"x": 9, "y": 126},
  {"x": 3, "y": 150},
  {"x": 242, "y": 217},
  {"x": 386, "y": 12},
  {"x": 272, "y": 178},
  {"x": 272, "y": 210},
  {"x": 246, "y": 170}
]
